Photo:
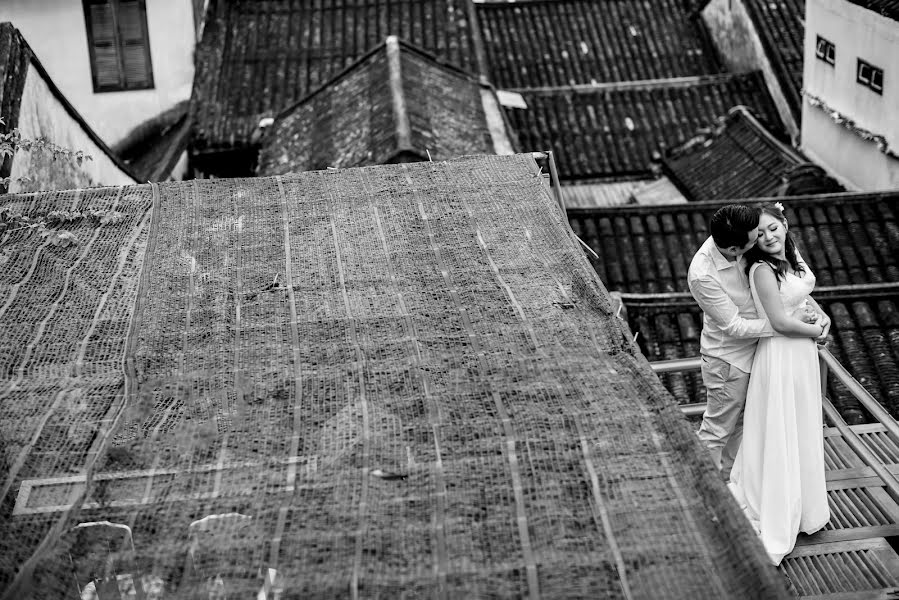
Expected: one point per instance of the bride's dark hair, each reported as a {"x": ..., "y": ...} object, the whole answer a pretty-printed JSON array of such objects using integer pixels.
[{"x": 755, "y": 254}]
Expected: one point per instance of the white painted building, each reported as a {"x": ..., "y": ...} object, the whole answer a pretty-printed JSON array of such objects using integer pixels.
[
  {"x": 120, "y": 63},
  {"x": 850, "y": 109}
]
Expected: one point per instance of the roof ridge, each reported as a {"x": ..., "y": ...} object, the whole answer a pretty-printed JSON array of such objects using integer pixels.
[
  {"x": 693, "y": 206},
  {"x": 670, "y": 82},
  {"x": 367, "y": 56}
]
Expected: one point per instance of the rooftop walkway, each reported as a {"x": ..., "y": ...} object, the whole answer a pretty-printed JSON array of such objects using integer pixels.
[{"x": 854, "y": 556}]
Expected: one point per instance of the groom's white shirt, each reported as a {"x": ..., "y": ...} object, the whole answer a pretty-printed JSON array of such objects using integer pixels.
[{"x": 730, "y": 324}]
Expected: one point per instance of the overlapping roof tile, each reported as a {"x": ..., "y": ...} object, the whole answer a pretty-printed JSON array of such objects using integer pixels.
[
  {"x": 781, "y": 27},
  {"x": 614, "y": 131},
  {"x": 887, "y": 8},
  {"x": 738, "y": 158},
  {"x": 256, "y": 58},
  {"x": 415, "y": 109},
  {"x": 848, "y": 239},
  {"x": 568, "y": 42}
]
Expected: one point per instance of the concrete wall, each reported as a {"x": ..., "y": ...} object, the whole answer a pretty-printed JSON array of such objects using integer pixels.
[
  {"x": 856, "y": 33},
  {"x": 853, "y": 161},
  {"x": 741, "y": 49},
  {"x": 57, "y": 32},
  {"x": 42, "y": 115}
]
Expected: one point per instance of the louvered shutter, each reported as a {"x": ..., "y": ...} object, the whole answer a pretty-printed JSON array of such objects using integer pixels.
[
  {"x": 134, "y": 46},
  {"x": 120, "y": 50},
  {"x": 107, "y": 73}
]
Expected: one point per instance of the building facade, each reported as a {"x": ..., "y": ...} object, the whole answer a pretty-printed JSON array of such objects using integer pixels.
[
  {"x": 850, "y": 121},
  {"x": 119, "y": 62}
]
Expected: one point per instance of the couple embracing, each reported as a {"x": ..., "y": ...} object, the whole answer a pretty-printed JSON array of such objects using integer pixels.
[{"x": 763, "y": 423}]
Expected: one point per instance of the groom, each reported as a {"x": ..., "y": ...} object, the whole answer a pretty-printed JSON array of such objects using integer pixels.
[{"x": 730, "y": 328}]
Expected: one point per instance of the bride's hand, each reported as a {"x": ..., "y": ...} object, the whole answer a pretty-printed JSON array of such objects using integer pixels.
[{"x": 808, "y": 314}]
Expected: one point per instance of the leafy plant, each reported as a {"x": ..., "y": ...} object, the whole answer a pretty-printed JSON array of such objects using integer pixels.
[
  {"x": 46, "y": 226},
  {"x": 12, "y": 142}
]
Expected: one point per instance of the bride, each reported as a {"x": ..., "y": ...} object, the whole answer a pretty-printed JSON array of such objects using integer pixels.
[{"x": 778, "y": 474}]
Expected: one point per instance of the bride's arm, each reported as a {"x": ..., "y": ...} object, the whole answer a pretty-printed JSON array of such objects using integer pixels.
[
  {"x": 769, "y": 296},
  {"x": 822, "y": 318}
]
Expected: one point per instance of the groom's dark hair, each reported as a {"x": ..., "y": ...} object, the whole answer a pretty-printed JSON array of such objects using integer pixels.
[{"x": 730, "y": 225}]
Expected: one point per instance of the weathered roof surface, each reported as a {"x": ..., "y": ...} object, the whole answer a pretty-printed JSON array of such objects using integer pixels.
[
  {"x": 257, "y": 58},
  {"x": 887, "y": 8},
  {"x": 847, "y": 239},
  {"x": 781, "y": 27},
  {"x": 737, "y": 158},
  {"x": 613, "y": 131},
  {"x": 415, "y": 109},
  {"x": 591, "y": 195},
  {"x": 381, "y": 381},
  {"x": 569, "y": 42},
  {"x": 865, "y": 329},
  {"x": 154, "y": 147}
]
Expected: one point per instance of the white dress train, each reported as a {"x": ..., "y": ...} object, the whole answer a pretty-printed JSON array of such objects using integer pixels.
[{"x": 778, "y": 475}]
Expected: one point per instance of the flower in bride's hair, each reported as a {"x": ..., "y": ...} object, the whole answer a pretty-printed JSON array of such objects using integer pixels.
[{"x": 778, "y": 206}]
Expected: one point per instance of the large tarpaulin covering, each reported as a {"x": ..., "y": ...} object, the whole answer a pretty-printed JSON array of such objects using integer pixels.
[{"x": 393, "y": 381}]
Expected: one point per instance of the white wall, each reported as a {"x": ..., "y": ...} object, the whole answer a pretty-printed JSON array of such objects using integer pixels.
[
  {"x": 42, "y": 115},
  {"x": 56, "y": 31},
  {"x": 856, "y": 33},
  {"x": 853, "y": 161}
]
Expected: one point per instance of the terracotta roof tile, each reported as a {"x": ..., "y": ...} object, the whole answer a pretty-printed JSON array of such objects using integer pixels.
[
  {"x": 887, "y": 8},
  {"x": 613, "y": 131},
  {"x": 780, "y": 24},
  {"x": 847, "y": 238},
  {"x": 568, "y": 42},
  {"x": 257, "y": 58},
  {"x": 739, "y": 158},
  {"x": 415, "y": 107}
]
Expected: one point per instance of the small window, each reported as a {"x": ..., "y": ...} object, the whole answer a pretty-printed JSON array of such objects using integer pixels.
[
  {"x": 869, "y": 76},
  {"x": 826, "y": 51},
  {"x": 118, "y": 44}
]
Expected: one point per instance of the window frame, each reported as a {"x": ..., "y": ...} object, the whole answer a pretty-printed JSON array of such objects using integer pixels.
[
  {"x": 123, "y": 85},
  {"x": 868, "y": 80},
  {"x": 829, "y": 52}
]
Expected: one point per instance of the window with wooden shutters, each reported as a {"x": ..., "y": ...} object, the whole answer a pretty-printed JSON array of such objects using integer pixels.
[{"x": 119, "y": 44}]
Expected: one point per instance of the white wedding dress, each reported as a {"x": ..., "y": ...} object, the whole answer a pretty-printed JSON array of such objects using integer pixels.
[{"x": 778, "y": 475}]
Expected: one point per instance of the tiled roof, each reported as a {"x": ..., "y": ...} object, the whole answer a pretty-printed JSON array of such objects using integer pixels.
[
  {"x": 257, "y": 58},
  {"x": 614, "y": 130},
  {"x": 414, "y": 108},
  {"x": 864, "y": 338},
  {"x": 781, "y": 27},
  {"x": 887, "y": 8},
  {"x": 591, "y": 195},
  {"x": 154, "y": 147},
  {"x": 737, "y": 159},
  {"x": 569, "y": 42},
  {"x": 846, "y": 238}
]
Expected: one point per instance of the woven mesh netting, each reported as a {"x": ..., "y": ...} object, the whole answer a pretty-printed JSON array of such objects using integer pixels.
[{"x": 395, "y": 381}]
